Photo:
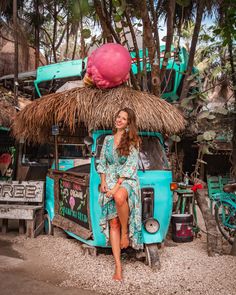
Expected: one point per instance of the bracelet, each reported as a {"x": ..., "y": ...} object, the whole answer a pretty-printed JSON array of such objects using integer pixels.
[{"x": 119, "y": 181}]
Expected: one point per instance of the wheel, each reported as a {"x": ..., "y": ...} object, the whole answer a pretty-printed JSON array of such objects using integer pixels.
[
  {"x": 48, "y": 227},
  {"x": 225, "y": 215},
  {"x": 152, "y": 256}
]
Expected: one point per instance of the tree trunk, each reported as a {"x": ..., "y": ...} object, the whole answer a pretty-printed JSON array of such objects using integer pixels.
[
  {"x": 82, "y": 41},
  {"x": 67, "y": 38},
  {"x": 213, "y": 237},
  {"x": 230, "y": 47},
  {"x": 16, "y": 60},
  {"x": 54, "y": 32},
  {"x": 75, "y": 45},
  {"x": 149, "y": 43},
  {"x": 169, "y": 37},
  {"x": 156, "y": 64},
  {"x": 196, "y": 31},
  {"x": 106, "y": 32},
  {"x": 135, "y": 44},
  {"x": 37, "y": 29}
]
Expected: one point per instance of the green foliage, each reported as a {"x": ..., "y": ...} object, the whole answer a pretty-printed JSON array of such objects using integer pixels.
[
  {"x": 183, "y": 3},
  {"x": 209, "y": 135},
  {"x": 200, "y": 138},
  {"x": 86, "y": 33},
  {"x": 203, "y": 114},
  {"x": 227, "y": 29},
  {"x": 205, "y": 149},
  {"x": 79, "y": 8},
  {"x": 220, "y": 110}
]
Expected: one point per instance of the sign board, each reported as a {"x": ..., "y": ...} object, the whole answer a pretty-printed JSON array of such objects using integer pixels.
[
  {"x": 73, "y": 202},
  {"x": 25, "y": 191}
]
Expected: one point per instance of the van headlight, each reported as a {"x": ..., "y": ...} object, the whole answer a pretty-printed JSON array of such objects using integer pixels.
[{"x": 151, "y": 225}]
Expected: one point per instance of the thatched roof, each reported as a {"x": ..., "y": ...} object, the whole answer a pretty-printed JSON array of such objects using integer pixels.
[
  {"x": 7, "y": 106},
  {"x": 94, "y": 108},
  {"x": 7, "y": 112}
]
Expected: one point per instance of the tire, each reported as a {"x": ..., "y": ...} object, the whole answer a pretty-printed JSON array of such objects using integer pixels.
[
  {"x": 152, "y": 256},
  {"x": 225, "y": 215},
  {"x": 48, "y": 227}
]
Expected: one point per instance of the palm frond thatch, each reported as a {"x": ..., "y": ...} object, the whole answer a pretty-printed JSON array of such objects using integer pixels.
[
  {"x": 7, "y": 112},
  {"x": 95, "y": 108}
]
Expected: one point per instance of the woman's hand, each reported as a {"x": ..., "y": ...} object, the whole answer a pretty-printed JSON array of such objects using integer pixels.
[
  {"x": 103, "y": 187},
  {"x": 112, "y": 191}
]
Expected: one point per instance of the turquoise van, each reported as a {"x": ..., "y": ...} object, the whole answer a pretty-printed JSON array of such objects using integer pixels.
[{"x": 72, "y": 192}]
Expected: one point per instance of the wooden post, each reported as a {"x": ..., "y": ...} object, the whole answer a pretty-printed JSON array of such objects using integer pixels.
[
  {"x": 21, "y": 226},
  {"x": 30, "y": 225},
  {"x": 211, "y": 227},
  {"x": 56, "y": 152},
  {"x": 19, "y": 159},
  {"x": 233, "y": 249},
  {"x": 4, "y": 226},
  {"x": 55, "y": 132},
  {"x": 16, "y": 52}
]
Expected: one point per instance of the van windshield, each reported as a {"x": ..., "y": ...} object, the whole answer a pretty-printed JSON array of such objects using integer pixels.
[
  {"x": 71, "y": 151},
  {"x": 152, "y": 154}
]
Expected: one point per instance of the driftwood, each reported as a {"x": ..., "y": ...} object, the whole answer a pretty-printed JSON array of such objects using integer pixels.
[{"x": 213, "y": 237}]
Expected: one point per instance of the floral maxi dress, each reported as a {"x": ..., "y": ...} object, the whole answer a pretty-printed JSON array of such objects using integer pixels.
[{"x": 114, "y": 167}]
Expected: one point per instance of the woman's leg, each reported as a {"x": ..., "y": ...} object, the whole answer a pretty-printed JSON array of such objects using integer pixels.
[
  {"x": 115, "y": 244},
  {"x": 121, "y": 197}
]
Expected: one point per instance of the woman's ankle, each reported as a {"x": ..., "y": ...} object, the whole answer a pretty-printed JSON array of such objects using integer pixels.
[{"x": 124, "y": 231}]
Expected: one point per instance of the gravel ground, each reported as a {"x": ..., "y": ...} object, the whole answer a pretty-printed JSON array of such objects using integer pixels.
[{"x": 185, "y": 268}]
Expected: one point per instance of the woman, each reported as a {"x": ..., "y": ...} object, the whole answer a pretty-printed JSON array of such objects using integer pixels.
[{"x": 120, "y": 197}]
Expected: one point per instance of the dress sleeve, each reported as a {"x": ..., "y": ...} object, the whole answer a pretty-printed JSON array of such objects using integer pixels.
[
  {"x": 130, "y": 167},
  {"x": 102, "y": 166}
]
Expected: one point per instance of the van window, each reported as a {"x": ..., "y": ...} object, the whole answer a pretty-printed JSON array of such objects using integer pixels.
[
  {"x": 152, "y": 154},
  {"x": 36, "y": 154},
  {"x": 71, "y": 151}
]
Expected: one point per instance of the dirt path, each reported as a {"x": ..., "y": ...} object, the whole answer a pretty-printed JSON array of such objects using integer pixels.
[
  {"x": 24, "y": 273},
  {"x": 58, "y": 265}
]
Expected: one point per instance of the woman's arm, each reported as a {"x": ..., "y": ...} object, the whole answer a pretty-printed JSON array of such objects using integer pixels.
[
  {"x": 103, "y": 187},
  {"x": 102, "y": 167}
]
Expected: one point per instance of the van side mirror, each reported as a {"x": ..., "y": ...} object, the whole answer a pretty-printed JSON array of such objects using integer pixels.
[{"x": 88, "y": 140}]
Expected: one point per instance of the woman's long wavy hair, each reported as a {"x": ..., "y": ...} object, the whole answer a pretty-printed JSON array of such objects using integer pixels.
[{"x": 130, "y": 137}]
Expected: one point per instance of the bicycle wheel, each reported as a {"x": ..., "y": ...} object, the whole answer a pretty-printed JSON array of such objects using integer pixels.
[{"x": 225, "y": 215}]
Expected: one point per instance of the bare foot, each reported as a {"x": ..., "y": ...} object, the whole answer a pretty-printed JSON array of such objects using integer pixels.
[
  {"x": 118, "y": 274},
  {"x": 124, "y": 240}
]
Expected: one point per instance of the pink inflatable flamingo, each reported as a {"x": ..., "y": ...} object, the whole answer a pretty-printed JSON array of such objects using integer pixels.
[{"x": 108, "y": 66}]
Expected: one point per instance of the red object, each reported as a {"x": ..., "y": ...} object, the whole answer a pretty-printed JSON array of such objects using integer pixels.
[
  {"x": 184, "y": 231},
  {"x": 108, "y": 66},
  {"x": 5, "y": 158},
  {"x": 196, "y": 186}
]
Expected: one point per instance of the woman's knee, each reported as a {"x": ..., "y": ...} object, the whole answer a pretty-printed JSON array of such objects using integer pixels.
[
  {"x": 120, "y": 198},
  {"x": 115, "y": 224}
]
